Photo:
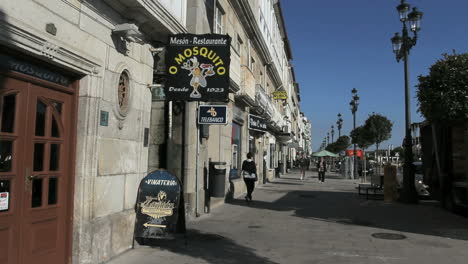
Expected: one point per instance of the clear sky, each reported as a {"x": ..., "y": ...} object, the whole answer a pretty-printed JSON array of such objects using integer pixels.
[{"x": 338, "y": 45}]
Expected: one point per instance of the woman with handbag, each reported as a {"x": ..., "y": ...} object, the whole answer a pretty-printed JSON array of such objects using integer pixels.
[{"x": 249, "y": 172}]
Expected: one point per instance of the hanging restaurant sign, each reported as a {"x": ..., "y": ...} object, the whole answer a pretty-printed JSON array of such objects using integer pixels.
[
  {"x": 257, "y": 123},
  {"x": 212, "y": 114},
  {"x": 198, "y": 67},
  {"x": 158, "y": 204},
  {"x": 280, "y": 95}
]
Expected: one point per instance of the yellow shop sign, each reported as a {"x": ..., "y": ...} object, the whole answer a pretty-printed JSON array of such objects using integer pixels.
[{"x": 280, "y": 95}]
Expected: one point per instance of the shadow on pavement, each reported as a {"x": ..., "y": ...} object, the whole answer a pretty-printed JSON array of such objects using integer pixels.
[
  {"x": 286, "y": 183},
  {"x": 347, "y": 208},
  {"x": 332, "y": 176},
  {"x": 212, "y": 248}
]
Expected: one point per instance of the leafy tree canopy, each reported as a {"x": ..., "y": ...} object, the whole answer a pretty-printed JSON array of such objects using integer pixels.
[
  {"x": 341, "y": 144},
  {"x": 362, "y": 137},
  {"x": 379, "y": 128},
  {"x": 398, "y": 150},
  {"x": 443, "y": 94}
]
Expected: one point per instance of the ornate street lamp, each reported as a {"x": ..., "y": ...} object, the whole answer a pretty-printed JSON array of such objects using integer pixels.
[
  {"x": 354, "y": 107},
  {"x": 339, "y": 124},
  {"x": 332, "y": 133},
  {"x": 402, "y": 46},
  {"x": 328, "y": 138}
]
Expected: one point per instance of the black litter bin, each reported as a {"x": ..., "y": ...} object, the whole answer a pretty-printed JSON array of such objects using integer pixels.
[{"x": 217, "y": 181}]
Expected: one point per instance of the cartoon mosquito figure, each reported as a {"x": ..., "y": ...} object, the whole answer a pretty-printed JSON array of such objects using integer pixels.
[{"x": 198, "y": 73}]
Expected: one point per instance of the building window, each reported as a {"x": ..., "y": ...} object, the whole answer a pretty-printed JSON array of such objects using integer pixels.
[
  {"x": 252, "y": 65},
  {"x": 261, "y": 79},
  {"x": 248, "y": 60},
  {"x": 219, "y": 20},
  {"x": 252, "y": 146},
  {"x": 235, "y": 150},
  {"x": 272, "y": 156},
  {"x": 123, "y": 91},
  {"x": 238, "y": 45}
]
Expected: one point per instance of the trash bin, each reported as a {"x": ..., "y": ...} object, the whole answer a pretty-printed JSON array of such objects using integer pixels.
[{"x": 217, "y": 180}]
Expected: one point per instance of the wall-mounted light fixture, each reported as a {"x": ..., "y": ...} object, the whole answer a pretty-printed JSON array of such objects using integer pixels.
[{"x": 129, "y": 32}]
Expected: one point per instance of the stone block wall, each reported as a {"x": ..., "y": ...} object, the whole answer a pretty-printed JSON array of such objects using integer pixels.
[{"x": 110, "y": 159}]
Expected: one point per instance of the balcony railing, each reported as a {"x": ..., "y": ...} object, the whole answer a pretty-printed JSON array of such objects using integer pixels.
[
  {"x": 264, "y": 102},
  {"x": 277, "y": 119},
  {"x": 235, "y": 68},
  {"x": 247, "y": 91}
]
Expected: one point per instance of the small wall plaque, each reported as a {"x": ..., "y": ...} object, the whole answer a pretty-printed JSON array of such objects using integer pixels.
[
  {"x": 104, "y": 118},
  {"x": 51, "y": 29},
  {"x": 157, "y": 93}
]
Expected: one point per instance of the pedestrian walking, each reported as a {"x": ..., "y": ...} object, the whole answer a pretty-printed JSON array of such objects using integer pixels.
[
  {"x": 249, "y": 172},
  {"x": 303, "y": 166},
  {"x": 321, "y": 168}
]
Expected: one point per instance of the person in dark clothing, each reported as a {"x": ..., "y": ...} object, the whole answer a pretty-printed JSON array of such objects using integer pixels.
[
  {"x": 321, "y": 168},
  {"x": 249, "y": 172},
  {"x": 303, "y": 166}
]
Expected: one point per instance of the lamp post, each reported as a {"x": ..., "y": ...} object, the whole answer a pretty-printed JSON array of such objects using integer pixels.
[
  {"x": 354, "y": 107},
  {"x": 328, "y": 138},
  {"x": 332, "y": 133},
  {"x": 339, "y": 124},
  {"x": 402, "y": 46}
]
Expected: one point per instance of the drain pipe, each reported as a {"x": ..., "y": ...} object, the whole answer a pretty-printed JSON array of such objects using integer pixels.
[{"x": 197, "y": 160}]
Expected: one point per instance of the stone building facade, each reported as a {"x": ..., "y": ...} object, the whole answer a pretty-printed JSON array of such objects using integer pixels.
[{"x": 81, "y": 123}]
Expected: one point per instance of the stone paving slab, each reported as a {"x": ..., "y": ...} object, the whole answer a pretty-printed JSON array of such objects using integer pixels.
[{"x": 294, "y": 221}]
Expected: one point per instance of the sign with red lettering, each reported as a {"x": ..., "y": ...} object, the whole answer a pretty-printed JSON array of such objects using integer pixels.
[
  {"x": 4, "y": 201},
  {"x": 350, "y": 152}
]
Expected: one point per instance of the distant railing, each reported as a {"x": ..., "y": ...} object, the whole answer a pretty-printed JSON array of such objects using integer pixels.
[
  {"x": 263, "y": 101},
  {"x": 247, "y": 83}
]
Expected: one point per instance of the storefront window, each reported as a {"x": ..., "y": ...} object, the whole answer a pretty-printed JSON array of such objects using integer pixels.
[
  {"x": 235, "y": 150},
  {"x": 272, "y": 156},
  {"x": 252, "y": 146}
]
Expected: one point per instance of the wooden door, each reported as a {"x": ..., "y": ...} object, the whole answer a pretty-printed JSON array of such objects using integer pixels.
[
  {"x": 13, "y": 95},
  {"x": 37, "y": 174}
]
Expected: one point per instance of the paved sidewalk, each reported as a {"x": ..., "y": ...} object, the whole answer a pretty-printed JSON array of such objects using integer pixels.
[{"x": 294, "y": 221}]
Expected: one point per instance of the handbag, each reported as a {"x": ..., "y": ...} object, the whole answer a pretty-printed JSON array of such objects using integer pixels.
[
  {"x": 254, "y": 175},
  {"x": 248, "y": 175}
]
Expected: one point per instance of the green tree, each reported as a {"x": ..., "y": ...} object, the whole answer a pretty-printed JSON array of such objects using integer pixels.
[
  {"x": 341, "y": 144},
  {"x": 361, "y": 137},
  {"x": 379, "y": 128},
  {"x": 400, "y": 151},
  {"x": 443, "y": 93}
]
